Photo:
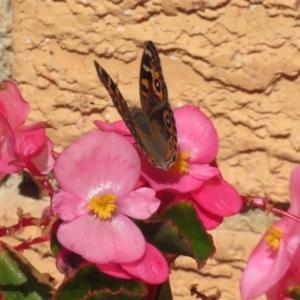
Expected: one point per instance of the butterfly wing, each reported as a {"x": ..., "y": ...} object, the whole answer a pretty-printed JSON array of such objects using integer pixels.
[
  {"x": 153, "y": 89},
  {"x": 135, "y": 119},
  {"x": 153, "y": 126},
  {"x": 155, "y": 105},
  {"x": 115, "y": 94}
]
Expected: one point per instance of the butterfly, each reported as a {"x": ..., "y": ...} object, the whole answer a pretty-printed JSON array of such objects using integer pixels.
[{"x": 153, "y": 125}]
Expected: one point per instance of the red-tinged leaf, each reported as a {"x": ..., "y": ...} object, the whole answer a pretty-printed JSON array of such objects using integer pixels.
[
  {"x": 89, "y": 279},
  {"x": 164, "y": 235},
  {"x": 19, "y": 279},
  {"x": 110, "y": 295}
]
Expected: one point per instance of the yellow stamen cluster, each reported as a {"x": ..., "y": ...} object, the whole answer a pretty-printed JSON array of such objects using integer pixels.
[
  {"x": 293, "y": 288},
  {"x": 181, "y": 166},
  {"x": 103, "y": 205},
  {"x": 273, "y": 237}
]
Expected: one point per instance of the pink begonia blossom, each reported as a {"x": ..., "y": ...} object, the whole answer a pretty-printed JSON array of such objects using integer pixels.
[
  {"x": 21, "y": 146},
  {"x": 273, "y": 265},
  {"x": 191, "y": 174},
  {"x": 98, "y": 174},
  {"x": 197, "y": 145}
]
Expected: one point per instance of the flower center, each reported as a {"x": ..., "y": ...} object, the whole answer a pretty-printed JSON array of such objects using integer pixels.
[
  {"x": 273, "y": 237},
  {"x": 181, "y": 166},
  {"x": 103, "y": 205},
  {"x": 293, "y": 289}
]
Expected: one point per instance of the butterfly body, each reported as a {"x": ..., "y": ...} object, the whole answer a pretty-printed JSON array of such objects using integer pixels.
[{"x": 152, "y": 126}]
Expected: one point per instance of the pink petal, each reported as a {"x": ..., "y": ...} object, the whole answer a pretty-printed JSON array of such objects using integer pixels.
[
  {"x": 104, "y": 161},
  {"x": 30, "y": 143},
  {"x": 139, "y": 204},
  {"x": 115, "y": 270},
  {"x": 69, "y": 206},
  {"x": 219, "y": 197},
  {"x": 2, "y": 175},
  {"x": 209, "y": 220},
  {"x": 98, "y": 241},
  {"x": 7, "y": 150},
  {"x": 160, "y": 179},
  {"x": 8, "y": 156},
  {"x": 152, "y": 268},
  {"x": 196, "y": 134},
  {"x": 295, "y": 192},
  {"x": 118, "y": 127},
  {"x": 203, "y": 172},
  {"x": 292, "y": 239},
  {"x": 103, "y": 126},
  {"x": 12, "y": 104},
  {"x": 20, "y": 147},
  {"x": 142, "y": 182},
  {"x": 45, "y": 160},
  {"x": 265, "y": 268},
  {"x": 34, "y": 126},
  {"x": 121, "y": 126}
]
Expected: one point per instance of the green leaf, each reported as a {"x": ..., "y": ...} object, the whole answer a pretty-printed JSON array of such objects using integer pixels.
[
  {"x": 19, "y": 279},
  {"x": 89, "y": 279},
  {"x": 54, "y": 243},
  {"x": 178, "y": 231},
  {"x": 165, "y": 292},
  {"x": 165, "y": 237},
  {"x": 109, "y": 295}
]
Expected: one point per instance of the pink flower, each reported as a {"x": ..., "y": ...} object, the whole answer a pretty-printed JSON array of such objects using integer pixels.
[
  {"x": 21, "y": 145},
  {"x": 98, "y": 174},
  {"x": 198, "y": 145},
  {"x": 274, "y": 263}
]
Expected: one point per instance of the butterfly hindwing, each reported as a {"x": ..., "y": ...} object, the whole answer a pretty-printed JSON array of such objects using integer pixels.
[{"x": 154, "y": 102}]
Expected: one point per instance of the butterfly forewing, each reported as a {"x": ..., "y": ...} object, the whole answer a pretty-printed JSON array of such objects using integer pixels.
[
  {"x": 122, "y": 107},
  {"x": 115, "y": 94}
]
